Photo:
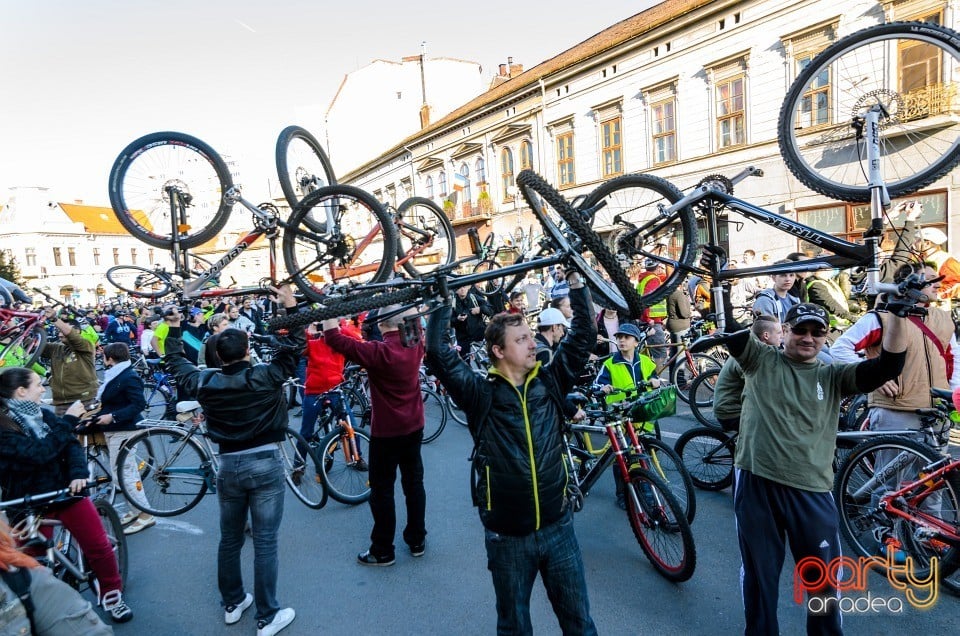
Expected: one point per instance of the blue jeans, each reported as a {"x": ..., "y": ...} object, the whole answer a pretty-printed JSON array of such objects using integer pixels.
[
  {"x": 313, "y": 405},
  {"x": 552, "y": 551},
  {"x": 252, "y": 482}
]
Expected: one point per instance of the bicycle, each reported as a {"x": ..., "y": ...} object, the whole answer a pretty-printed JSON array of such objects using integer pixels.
[
  {"x": 341, "y": 449},
  {"x": 178, "y": 465},
  {"x": 864, "y": 125},
  {"x": 682, "y": 366},
  {"x": 55, "y": 547},
  {"x": 173, "y": 191},
  {"x": 22, "y": 337},
  {"x": 159, "y": 391},
  {"x": 655, "y": 515}
]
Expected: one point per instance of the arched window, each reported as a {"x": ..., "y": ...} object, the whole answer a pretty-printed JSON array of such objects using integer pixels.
[
  {"x": 429, "y": 187},
  {"x": 464, "y": 183},
  {"x": 526, "y": 156},
  {"x": 481, "y": 171},
  {"x": 506, "y": 172},
  {"x": 442, "y": 183}
]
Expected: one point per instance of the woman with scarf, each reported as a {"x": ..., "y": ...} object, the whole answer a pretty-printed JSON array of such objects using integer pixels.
[
  {"x": 39, "y": 453},
  {"x": 121, "y": 407}
]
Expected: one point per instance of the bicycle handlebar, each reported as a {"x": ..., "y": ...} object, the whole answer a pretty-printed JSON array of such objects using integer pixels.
[{"x": 52, "y": 496}]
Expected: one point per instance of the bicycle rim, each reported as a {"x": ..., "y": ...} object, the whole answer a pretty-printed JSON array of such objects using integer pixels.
[
  {"x": 666, "y": 464},
  {"x": 144, "y": 173},
  {"x": 686, "y": 370},
  {"x": 491, "y": 287},
  {"x": 660, "y": 527},
  {"x": 139, "y": 281},
  {"x": 174, "y": 472},
  {"x": 359, "y": 246},
  {"x": 708, "y": 458},
  {"x": 114, "y": 531},
  {"x": 24, "y": 350},
  {"x": 701, "y": 398},
  {"x": 158, "y": 400},
  {"x": 426, "y": 237},
  {"x": 302, "y": 165},
  {"x": 346, "y": 474},
  {"x": 909, "y": 70},
  {"x": 434, "y": 415},
  {"x": 301, "y": 470}
]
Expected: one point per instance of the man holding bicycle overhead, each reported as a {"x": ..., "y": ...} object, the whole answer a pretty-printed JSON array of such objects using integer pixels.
[
  {"x": 784, "y": 455},
  {"x": 516, "y": 418},
  {"x": 246, "y": 413}
]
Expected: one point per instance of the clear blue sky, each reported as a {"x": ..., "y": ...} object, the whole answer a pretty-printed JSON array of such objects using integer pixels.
[{"x": 82, "y": 78}]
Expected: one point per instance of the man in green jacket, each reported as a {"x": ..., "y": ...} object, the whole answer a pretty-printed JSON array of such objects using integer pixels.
[{"x": 73, "y": 376}]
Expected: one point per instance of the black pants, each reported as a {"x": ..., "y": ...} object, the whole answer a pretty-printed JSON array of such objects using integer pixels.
[
  {"x": 768, "y": 513},
  {"x": 386, "y": 455}
]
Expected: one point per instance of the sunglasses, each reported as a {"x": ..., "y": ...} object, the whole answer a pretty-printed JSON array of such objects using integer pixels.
[{"x": 803, "y": 331}]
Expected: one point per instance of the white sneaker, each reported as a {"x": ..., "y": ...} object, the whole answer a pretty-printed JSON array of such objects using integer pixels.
[
  {"x": 142, "y": 523},
  {"x": 280, "y": 620},
  {"x": 129, "y": 517},
  {"x": 232, "y": 613}
]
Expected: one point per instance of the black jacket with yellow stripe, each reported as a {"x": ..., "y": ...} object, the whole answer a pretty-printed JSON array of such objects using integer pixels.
[{"x": 522, "y": 479}]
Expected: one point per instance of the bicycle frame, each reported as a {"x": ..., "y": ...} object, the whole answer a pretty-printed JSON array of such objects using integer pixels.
[{"x": 915, "y": 492}]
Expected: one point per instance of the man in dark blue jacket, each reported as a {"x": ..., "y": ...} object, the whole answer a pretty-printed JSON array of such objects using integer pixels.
[{"x": 516, "y": 417}]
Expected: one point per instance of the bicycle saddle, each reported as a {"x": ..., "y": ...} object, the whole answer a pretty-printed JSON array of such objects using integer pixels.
[{"x": 187, "y": 406}]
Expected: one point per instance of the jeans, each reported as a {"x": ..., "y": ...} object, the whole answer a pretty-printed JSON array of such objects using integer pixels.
[
  {"x": 386, "y": 455},
  {"x": 552, "y": 551},
  {"x": 250, "y": 482}
]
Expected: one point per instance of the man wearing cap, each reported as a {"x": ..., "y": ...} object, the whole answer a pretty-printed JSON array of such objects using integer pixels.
[
  {"x": 551, "y": 328},
  {"x": 784, "y": 454},
  {"x": 929, "y": 243}
]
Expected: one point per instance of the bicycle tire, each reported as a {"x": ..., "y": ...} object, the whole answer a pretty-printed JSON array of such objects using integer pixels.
[
  {"x": 700, "y": 405},
  {"x": 347, "y": 482},
  {"x": 670, "y": 240},
  {"x": 316, "y": 255},
  {"x": 24, "y": 350},
  {"x": 434, "y": 415},
  {"x": 418, "y": 216},
  {"x": 658, "y": 521},
  {"x": 684, "y": 371},
  {"x": 917, "y": 146},
  {"x": 143, "y": 279},
  {"x": 336, "y": 306},
  {"x": 454, "y": 411},
  {"x": 856, "y": 492},
  {"x": 302, "y": 165},
  {"x": 165, "y": 458},
  {"x": 619, "y": 291},
  {"x": 492, "y": 287},
  {"x": 153, "y": 162},
  {"x": 158, "y": 400},
  {"x": 707, "y": 456},
  {"x": 666, "y": 464},
  {"x": 301, "y": 470},
  {"x": 106, "y": 491},
  {"x": 114, "y": 531}
]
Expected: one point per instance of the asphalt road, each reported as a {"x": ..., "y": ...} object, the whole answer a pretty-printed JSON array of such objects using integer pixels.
[{"x": 172, "y": 577}]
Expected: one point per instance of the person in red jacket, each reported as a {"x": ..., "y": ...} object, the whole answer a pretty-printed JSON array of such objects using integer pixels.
[
  {"x": 396, "y": 431},
  {"x": 324, "y": 372}
]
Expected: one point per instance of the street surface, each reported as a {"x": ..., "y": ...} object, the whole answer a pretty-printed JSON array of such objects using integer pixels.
[{"x": 172, "y": 585}]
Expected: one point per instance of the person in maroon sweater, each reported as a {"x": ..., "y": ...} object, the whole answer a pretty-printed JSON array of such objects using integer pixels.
[{"x": 396, "y": 430}]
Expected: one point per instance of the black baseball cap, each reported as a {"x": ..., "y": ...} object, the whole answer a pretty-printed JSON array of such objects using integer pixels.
[{"x": 807, "y": 312}]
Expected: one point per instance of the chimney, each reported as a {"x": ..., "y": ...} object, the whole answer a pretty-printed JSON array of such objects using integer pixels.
[
  {"x": 515, "y": 69},
  {"x": 503, "y": 70}
]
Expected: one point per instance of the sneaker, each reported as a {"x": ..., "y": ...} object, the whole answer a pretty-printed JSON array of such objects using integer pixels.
[
  {"x": 418, "y": 550},
  {"x": 232, "y": 613},
  {"x": 360, "y": 466},
  {"x": 280, "y": 620},
  {"x": 368, "y": 558},
  {"x": 129, "y": 517},
  {"x": 142, "y": 523},
  {"x": 114, "y": 605}
]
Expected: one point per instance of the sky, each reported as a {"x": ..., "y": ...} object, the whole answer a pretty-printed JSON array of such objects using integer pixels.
[{"x": 80, "y": 79}]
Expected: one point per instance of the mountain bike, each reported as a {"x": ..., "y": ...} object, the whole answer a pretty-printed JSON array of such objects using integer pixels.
[
  {"x": 22, "y": 337},
  {"x": 55, "y": 547},
  {"x": 850, "y": 116},
  {"x": 178, "y": 465},
  {"x": 173, "y": 191}
]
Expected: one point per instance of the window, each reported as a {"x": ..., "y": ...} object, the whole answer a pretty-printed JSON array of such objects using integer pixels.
[
  {"x": 565, "y": 159},
  {"x": 921, "y": 77},
  {"x": 506, "y": 173},
  {"x": 72, "y": 256},
  {"x": 815, "y": 105},
  {"x": 664, "y": 128},
  {"x": 429, "y": 187},
  {"x": 96, "y": 256},
  {"x": 526, "y": 156},
  {"x": 464, "y": 183},
  {"x": 481, "y": 171},
  {"x": 803, "y": 46},
  {"x": 150, "y": 255},
  {"x": 610, "y": 144},
  {"x": 31, "y": 254},
  {"x": 133, "y": 256},
  {"x": 442, "y": 183},
  {"x": 116, "y": 256},
  {"x": 56, "y": 257},
  {"x": 730, "y": 113}
]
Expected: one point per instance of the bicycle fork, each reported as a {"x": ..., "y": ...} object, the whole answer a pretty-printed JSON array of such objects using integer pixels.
[{"x": 349, "y": 445}]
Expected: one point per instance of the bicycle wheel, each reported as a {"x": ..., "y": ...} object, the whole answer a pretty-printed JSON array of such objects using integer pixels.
[
  {"x": 159, "y": 400},
  {"x": 660, "y": 527},
  {"x": 434, "y": 415},
  {"x": 666, "y": 464},
  {"x": 701, "y": 402},
  {"x": 114, "y": 531},
  {"x": 630, "y": 207},
  {"x": 454, "y": 411},
  {"x": 492, "y": 287},
  {"x": 174, "y": 471},
  {"x": 338, "y": 234},
  {"x": 707, "y": 454},
  {"x": 349, "y": 304},
  {"x": 164, "y": 165},
  {"x": 140, "y": 281},
  {"x": 426, "y": 237},
  {"x": 346, "y": 474},
  {"x": 881, "y": 465},
  {"x": 618, "y": 290},
  {"x": 685, "y": 370},
  {"x": 24, "y": 350},
  {"x": 906, "y": 68},
  {"x": 301, "y": 469},
  {"x": 98, "y": 467},
  {"x": 302, "y": 164}
]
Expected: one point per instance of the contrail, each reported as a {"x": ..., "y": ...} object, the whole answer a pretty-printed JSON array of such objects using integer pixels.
[{"x": 245, "y": 26}]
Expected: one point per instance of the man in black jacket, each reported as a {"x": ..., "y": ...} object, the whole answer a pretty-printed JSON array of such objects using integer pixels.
[
  {"x": 246, "y": 415},
  {"x": 515, "y": 417}
]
